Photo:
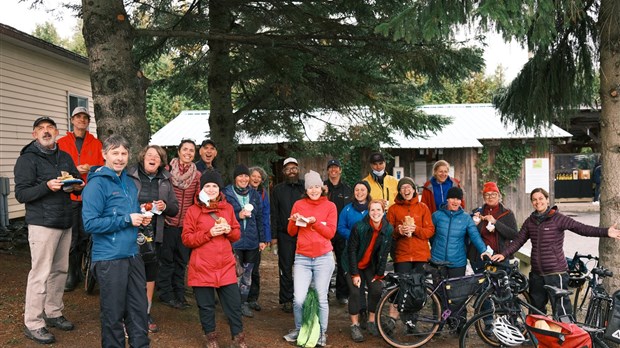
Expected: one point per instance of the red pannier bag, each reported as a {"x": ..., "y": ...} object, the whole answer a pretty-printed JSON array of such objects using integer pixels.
[{"x": 559, "y": 335}]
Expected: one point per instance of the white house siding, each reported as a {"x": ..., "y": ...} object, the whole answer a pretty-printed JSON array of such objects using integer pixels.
[{"x": 34, "y": 81}]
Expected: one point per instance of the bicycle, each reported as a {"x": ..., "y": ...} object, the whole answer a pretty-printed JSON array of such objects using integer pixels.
[
  {"x": 599, "y": 301},
  {"x": 89, "y": 277},
  {"x": 442, "y": 307},
  {"x": 509, "y": 321}
]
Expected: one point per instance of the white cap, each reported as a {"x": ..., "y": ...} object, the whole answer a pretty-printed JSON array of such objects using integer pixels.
[{"x": 290, "y": 160}]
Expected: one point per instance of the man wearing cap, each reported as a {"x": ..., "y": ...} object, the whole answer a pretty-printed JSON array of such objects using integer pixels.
[
  {"x": 382, "y": 185},
  {"x": 284, "y": 195},
  {"x": 49, "y": 217},
  {"x": 85, "y": 150},
  {"x": 207, "y": 152},
  {"x": 340, "y": 194}
]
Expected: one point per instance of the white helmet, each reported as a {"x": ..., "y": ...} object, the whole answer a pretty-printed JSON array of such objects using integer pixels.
[{"x": 507, "y": 333}]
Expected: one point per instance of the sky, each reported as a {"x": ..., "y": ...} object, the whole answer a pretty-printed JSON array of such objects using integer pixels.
[{"x": 19, "y": 16}]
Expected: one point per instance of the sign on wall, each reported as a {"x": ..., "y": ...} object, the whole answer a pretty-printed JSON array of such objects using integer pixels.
[{"x": 536, "y": 174}]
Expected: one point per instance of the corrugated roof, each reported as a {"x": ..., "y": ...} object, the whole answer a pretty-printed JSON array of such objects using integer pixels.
[{"x": 470, "y": 124}]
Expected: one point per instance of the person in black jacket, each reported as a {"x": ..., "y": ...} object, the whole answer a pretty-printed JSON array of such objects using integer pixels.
[
  {"x": 340, "y": 194},
  {"x": 38, "y": 184},
  {"x": 283, "y": 197}
]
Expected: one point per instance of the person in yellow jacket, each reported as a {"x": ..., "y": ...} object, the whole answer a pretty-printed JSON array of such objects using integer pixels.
[{"x": 382, "y": 185}]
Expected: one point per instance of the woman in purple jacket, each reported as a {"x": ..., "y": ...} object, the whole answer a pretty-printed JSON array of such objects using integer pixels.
[{"x": 545, "y": 228}]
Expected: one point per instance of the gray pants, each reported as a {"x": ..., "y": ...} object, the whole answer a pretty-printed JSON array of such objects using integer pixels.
[{"x": 49, "y": 254}]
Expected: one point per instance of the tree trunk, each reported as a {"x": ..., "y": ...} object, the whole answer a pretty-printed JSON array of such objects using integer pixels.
[
  {"x": 222, "y": 122},
  {"x": 119, "y": 88},
  {"x": 609, "y": 20}
]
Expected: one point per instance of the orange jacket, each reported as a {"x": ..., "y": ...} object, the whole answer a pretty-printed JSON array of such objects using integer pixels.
[
  {"x": 415, "y": 248},
  {"x": 90, "y": 154}
]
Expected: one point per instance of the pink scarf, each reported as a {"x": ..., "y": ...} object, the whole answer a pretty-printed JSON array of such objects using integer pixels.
[{"x": 182, "y": 176}]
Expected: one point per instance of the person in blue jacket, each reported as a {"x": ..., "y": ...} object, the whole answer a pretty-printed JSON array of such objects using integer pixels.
[
  {"x": 452, "y": 225},
  {"x": 247, "y": 205},
  {"x": 111, "y": 213},
  {"x": 259, "y": 180},
  {"x": 354, "y": 211}
]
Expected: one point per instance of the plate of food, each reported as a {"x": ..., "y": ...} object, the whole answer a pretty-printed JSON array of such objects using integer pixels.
[{"x": 68, "y": 179}]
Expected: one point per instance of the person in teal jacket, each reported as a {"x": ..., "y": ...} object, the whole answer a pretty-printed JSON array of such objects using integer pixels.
[
  {"x": 111, "y": 214},
  {"x": 354, "y": 211}
]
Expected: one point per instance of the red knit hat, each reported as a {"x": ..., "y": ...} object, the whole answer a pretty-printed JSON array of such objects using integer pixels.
[{"x": 490, "y": 187}]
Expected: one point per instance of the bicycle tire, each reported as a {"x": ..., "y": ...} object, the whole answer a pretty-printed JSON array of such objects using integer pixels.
[
  {"x": 472, "y": 334},
  {"x": 89, "y": 277},
  {"x": 399, "y": 332}
]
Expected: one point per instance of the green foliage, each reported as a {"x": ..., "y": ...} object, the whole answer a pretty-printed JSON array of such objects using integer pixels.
[
  {"x": 506, "y": 166},
  {"x": 475, "y": 89},
  {"x": 47, "y": 31}
]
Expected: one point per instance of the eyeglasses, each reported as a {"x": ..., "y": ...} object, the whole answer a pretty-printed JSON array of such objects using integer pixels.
[
  {"x": 490, "y": 195},
  {"x": 290, "y": 170}
]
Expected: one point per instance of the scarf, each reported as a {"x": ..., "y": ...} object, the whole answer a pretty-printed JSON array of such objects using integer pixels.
[
  {"x": 241, "y": 191},
  {"x": 181, "y": 175},
  {"x": 540, "y": 217},
  {"x": 361, "y": 207},
  {"x": 44, "y": 149}
]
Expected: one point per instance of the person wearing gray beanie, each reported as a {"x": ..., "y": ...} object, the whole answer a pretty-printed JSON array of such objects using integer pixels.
[{"x": 312, "y": 178}]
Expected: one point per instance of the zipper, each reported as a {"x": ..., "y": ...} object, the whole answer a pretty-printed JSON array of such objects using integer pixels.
[{"x": 448, "y": 238}]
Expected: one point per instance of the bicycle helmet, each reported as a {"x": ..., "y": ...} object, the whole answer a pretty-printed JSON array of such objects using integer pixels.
[
  {"x": 519, "y": 281},
  {"x": 576, "y": 279},
  {"x": 507, "y": 333}
]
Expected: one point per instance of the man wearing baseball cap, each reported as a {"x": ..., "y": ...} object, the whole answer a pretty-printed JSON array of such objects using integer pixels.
[
  {"x": 382, "y": 185},
  {"x": 49, "y": 217},
  {"x": 340, "y": 194},
  {"x": 283, "y": 197},
  {"x": 208, "y": 152},
  {"x": 85, "y": 150}
]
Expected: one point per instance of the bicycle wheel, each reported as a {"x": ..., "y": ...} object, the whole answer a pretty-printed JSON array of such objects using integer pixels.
[
  {"x": 404, "y": 330},
  {"x": 89, "y": 277},
  {"x": 477, "y": 332}
]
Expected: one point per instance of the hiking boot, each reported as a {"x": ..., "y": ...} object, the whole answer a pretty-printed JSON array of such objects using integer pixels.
[
  {"x": 152, "y": 326},
  {"x": 356, "y": 333},
  {"x": 246, "y": 311},
  {"x": 287, "y": 307},
  {"x": 183, "y": 304},
  {"x": 388, "y": 325},
  {"x": 343, "y": 301},
  {"x": 373, "y": 329},
  {"x": 171, "y": 303},
  {"x": 322, "y": 342},
  {"x": 40, "y": 335},
  {"x": 363, "y": 319},
  {"x": 239, "y": 341},
  {"x": 59, "y": 322},
  {"x": 292, "y": 335},
  {"x": 212, "y": 340},
  {"x": 255, "y": 306}
]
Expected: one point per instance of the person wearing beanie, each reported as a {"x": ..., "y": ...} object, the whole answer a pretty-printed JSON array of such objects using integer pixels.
[
  {"x": 497, "y": 226},
  {"x": 340, "y": 194},
  {"x": 313, "y": 221},
  {"x": 247, "y": 205},
  {"x": 382, "y": 185},
  {"x": 209, "y": 229},
  {"x": 283, "y": 197},
  {"x": 434, "y": 191},
  {"x": 413, "y": 229},
  {"x": 452, "y": 227}
]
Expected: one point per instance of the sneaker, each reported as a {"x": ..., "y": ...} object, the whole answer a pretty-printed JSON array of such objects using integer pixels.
[
  {"x": 183, "y": 304},
  {"x": 363, "y": 319},
  {"x": 322, "y": 342},
  {"x": 343, "y": 301},
  {"x": 59, "y": 322},
  {"x": 373, "y": 329},
  {"x": 287, "y": 307},
  {"x": 152, "y": 326},
  {"x": 40, "y": 335},
  {"x": 254, "y": 306},
  {"x": 356, "y": 333},
  {"x": 292, "y": 335},
  {"x": 246, "y": 311}
]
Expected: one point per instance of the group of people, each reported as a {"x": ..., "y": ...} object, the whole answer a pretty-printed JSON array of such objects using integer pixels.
[{"x": 216, "y": 234}]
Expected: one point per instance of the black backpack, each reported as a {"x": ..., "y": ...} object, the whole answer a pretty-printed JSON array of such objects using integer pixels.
[{"x": 412, "y": 294}]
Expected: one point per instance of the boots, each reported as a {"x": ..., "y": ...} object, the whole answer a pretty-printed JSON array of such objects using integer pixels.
[
  {"x": 239, "y": 341},
  {"x": 73, "y": 273},
  {"x": 212, "y": 340}
]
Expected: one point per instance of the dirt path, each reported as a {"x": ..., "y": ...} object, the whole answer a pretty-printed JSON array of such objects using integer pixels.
[{"x": 177, "y": 328}]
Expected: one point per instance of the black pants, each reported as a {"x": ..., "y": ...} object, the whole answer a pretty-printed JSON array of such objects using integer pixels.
[
  {"x": 342, "y": 289},
  {"x": 255, "y": 287},
  {"x": 540, "y": 296},
  {"x": 286, "y": 257},
  {"x": 231, "y": 304},
  {"x": 173, "y": 257},
  {"x": 79, "y": 238},
  {"x": 122, "y": 285},
  {"x": 374, "y": 291}
]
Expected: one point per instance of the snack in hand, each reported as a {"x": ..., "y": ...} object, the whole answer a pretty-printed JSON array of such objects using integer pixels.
[
  {"x": 148, "y": 206},
  {"x": 221, "y": 220},
  {"x": 64, "y": 176},
  {"x": 409, "y": 221}
]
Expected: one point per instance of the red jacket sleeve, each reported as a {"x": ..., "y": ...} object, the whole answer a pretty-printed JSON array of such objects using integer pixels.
[{"x": 194, "y": 234}]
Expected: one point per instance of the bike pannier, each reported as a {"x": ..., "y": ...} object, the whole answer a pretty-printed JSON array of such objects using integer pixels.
[
  {"x": 612, "y": 332},
  {"x": 458, "y": 289},
  {"x": 412, "y": 294},
  {"x": 554, "y": 334}
]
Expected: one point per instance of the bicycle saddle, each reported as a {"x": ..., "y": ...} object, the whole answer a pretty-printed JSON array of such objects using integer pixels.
[{"x": 554, "y": 291}]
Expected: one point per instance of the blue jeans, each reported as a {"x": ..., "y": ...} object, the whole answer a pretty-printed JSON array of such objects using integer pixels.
[{"x": 317, "y": 270}]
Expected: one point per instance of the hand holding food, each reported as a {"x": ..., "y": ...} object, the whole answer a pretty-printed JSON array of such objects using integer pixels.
[{"x": 65, "y": 176}]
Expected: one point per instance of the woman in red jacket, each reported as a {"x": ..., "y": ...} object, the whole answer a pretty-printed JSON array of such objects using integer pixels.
[
  {"x": 313, "y": 220},
  {"x": 209, "y": 229}
]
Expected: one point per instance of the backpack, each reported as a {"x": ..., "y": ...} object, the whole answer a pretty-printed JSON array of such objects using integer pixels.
[
  {"x": 565, "y": 335},
  {"x": 412, "y": 294},
  {"x": 612, "y": 332}
]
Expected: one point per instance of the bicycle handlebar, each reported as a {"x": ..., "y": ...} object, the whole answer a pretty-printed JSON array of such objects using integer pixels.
[
  {"x": 602, "y": 272},
  {"x": 579, "y": 256}
]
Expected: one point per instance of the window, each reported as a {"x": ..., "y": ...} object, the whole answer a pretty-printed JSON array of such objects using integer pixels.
[{"x": 74, "y": 102}]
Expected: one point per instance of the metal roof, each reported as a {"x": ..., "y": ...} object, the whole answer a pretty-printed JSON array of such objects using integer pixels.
[{"x": 470, "y": 124}]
